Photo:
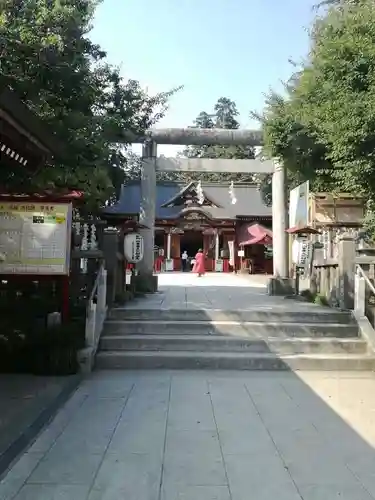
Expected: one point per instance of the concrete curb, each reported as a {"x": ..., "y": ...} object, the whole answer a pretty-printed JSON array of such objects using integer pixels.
[{"x": 18, "y": 446}]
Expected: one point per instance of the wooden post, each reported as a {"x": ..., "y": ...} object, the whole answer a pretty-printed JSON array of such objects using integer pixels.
[
  {"x": 110, "y": 248},
  {"x": 346, "y": 266},
  {"x": 324, "y": 282},
  {"x": 65, "y": 298},
  {"x": 235, "y": 248},
  {"x": 169, "y": 245}
]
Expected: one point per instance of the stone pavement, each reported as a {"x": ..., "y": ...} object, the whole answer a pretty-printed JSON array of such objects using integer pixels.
[
  {"x": 205, "y": 436},
  {"x": 161, "y": 435},
  {"x": 212, "y": 291},
  {"x": 26, "y": 404}
]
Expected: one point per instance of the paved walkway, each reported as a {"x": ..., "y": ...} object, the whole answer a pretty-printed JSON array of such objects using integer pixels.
[
  {"x": 24, "y": 400},
  {"x": 212, "y": 291},
  {"x": 206, "y": 435}
]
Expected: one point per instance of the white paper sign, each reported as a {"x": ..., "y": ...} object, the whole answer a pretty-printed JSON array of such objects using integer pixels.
[
  {"x": 133, "y": 247},
  {"x": 301, "y": 252},
  {"x": 231, "y": 252},
  {"x": 219, "y": 265}
]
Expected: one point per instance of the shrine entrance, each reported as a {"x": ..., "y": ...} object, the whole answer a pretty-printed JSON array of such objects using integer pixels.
[
  {"x": 198, "y": 231},
  {"x": 191, "y": 241}
]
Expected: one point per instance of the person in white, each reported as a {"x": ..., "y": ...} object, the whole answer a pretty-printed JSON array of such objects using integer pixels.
[{"x": 184, "y": 260}]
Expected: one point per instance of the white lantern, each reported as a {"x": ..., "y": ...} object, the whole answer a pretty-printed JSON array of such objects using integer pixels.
[
  {"x": 133, "y": 247},
  {"x": 301, "y": 252}
]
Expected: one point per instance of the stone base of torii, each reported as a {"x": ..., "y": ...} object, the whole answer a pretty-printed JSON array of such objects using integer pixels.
[{"x": 280, "y": 284}]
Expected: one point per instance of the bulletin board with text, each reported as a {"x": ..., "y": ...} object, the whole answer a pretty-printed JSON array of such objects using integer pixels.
[{"x": 35, "y": 238}]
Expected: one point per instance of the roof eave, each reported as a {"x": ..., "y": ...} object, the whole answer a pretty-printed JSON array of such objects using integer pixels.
[{"x": 27, "y": 123}]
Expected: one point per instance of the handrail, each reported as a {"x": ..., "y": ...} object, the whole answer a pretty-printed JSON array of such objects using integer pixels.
[
  {"x": 96, "y": 283},
  {"x": 362, "y": 273},
  {"x": 96, "y": 309}
]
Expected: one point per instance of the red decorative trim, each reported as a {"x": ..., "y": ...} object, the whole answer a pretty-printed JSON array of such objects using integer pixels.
[{"x": 42, "y": 196}]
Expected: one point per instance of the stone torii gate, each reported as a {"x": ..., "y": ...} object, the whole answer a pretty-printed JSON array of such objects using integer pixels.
[{"x": 223, "y": 137}]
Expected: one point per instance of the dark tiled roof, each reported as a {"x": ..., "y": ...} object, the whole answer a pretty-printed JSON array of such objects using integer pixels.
[
  {"x": 249, "y": 200},
  {"x": 180, "y": 197}
]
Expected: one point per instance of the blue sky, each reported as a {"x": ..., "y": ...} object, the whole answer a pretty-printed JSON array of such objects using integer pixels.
[{"x": 232, "y": 48}]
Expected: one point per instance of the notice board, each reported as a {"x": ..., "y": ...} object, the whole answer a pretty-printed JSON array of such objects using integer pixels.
[{"x": 35, "y": 238}]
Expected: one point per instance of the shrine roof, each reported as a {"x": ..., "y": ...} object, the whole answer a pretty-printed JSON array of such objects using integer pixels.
[
  {"x": 249, "y": 201},
  {"x": 178, "y": 199}
]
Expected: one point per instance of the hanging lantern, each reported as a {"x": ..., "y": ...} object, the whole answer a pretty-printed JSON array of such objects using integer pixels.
[{"x": 232, "y": 193}]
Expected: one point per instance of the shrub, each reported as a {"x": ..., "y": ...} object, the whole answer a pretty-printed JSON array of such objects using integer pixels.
[{"x": 321, "y": 300}]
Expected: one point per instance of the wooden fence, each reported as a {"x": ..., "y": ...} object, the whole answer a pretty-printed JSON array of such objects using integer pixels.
[
  {"x": 325, "y": 280},
  {"x": 349, "y": 280}
]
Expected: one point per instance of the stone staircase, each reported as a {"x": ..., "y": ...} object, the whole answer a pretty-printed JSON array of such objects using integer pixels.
[{"x": 307, "y": 338}]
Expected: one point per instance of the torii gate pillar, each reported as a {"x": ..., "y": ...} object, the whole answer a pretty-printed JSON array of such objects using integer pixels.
[
  {"x": 280, "y": 283},
  {"x": 147, "y": 215}
]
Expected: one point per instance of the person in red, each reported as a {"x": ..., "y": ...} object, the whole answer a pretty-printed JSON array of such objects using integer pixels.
[{"x": 199, "y": 263}]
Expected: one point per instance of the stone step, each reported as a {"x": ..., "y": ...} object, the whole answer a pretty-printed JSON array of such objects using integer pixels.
[
  {"x": 217, "y": 343},
  {"x": 251, "y": 329},
  {"x": 304, "y": 314},
  {"x": 174, "y": 360}
]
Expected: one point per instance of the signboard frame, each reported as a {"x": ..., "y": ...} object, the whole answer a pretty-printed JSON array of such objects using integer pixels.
[{"x": 37, "y": 207}]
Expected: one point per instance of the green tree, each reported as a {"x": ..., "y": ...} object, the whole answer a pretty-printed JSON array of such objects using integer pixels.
[
  {"x": 287, "y": 138},
  {"x": 204, "y": 120},
  {"x": 226, "y": 113},
  {"x": 324, "y": 130},
  {"x": 224, "y": 116},
  {"x": 336, "y": 93},
  {"x": 48, "y": 59}
]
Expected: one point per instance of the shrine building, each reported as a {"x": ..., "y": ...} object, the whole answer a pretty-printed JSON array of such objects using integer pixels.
[{"x": 232, "y": 229}]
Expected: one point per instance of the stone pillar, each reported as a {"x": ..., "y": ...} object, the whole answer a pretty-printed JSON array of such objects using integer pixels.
[
  {"x": 280, "y": 237},
  {"x": 147, "y": 216},
  {"x": 346, "y": 265},
  {"x": 280, "y": 284}
]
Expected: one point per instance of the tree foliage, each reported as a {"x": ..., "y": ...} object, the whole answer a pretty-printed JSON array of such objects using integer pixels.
[
  {"x": 224, "y": 116},
  {"x": 48, "y": 58},
  {"x": 323, "y": 129},
  {"x": 337, "y": 93},
  {"x": 287, "y": 138}
]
